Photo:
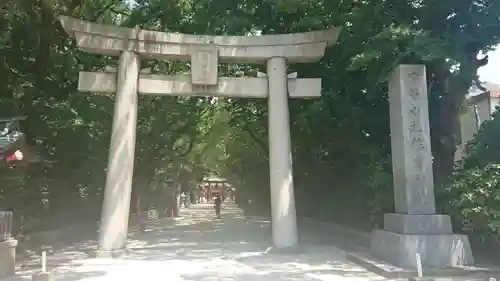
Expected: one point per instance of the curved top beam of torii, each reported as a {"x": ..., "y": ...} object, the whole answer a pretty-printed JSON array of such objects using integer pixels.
[{"x": 112, "y": 40}]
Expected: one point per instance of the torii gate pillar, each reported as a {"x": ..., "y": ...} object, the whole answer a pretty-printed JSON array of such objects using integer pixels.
[
  {"x": 283, "y": 212},
  {"x": 118, "y": 189}
]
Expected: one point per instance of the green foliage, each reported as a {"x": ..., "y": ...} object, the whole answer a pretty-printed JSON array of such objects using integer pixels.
[
  {"x": 484, "y": 148},
  {"x": 473, "y": 195},
  {"x": 473, "y": 200},
  {"x": 381, "y": 192}
]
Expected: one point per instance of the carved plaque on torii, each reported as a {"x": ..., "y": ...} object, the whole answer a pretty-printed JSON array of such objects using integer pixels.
[{"x": 204, "y": 62}]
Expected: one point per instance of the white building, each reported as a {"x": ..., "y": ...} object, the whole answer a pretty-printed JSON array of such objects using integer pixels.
[{"x": 480, "y": 105}]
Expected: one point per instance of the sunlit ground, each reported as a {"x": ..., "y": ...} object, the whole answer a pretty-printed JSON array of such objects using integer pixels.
[{"x": 200, "y": 247}]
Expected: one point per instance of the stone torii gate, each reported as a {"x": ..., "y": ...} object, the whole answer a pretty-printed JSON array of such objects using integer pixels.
[{"x": 204, "y": 53}]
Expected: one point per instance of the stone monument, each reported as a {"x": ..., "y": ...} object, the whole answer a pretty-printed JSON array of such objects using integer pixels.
[
  {"x": 415, "y": 227},
  {"x": 204, "y": 52}
]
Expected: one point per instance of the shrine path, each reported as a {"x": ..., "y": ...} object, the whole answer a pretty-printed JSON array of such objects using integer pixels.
[{"x": 199, "y": 247}]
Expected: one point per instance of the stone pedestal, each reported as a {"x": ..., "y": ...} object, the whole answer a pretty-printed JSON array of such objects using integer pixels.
[
  {"x": 417, "y": 224},
  {"x": 415, "y": 228},
  {"x": 429, "y": 235},
  {"x": 7, "y": 257}
]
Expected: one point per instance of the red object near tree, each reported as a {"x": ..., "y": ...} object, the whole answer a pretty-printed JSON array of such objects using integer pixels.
[
  {"x": 14, "y": 150},
  {"x": 17, "y": 156}
]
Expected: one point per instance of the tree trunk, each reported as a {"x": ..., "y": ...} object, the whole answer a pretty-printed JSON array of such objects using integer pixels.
[
  {"x": 453, "y": 88},
  {"x": 444, "y": 152},
  {"x": 176, "y": 201}
]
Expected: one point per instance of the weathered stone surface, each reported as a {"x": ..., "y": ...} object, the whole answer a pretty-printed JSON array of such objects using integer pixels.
[
  {"x": 204, "y": 63},
  {"x": 415, "y": 228},
  {"x": 410, "y": 141},
  {"x": 242, "y": 87},
  {"x": 284, "y": 222},
  {"x": 436, "y": 250},
  {"x": 116, "y": 207},
  {"x": 7, "y": 257},
  {"x": 417, "y": 224},
  {"x": 112, "y": 40}
]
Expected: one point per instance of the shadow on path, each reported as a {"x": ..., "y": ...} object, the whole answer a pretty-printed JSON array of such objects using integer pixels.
[{"x": 198, "y": 246}]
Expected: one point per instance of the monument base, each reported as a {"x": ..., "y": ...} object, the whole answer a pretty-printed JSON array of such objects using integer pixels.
[
  {"x": 436, "y": 250},
  {"x": 7, "y": 257},
  {"x": 417, "y": 224}
]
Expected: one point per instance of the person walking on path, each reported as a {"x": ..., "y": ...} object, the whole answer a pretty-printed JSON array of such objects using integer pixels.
[{"x": 217, "y": 206}]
